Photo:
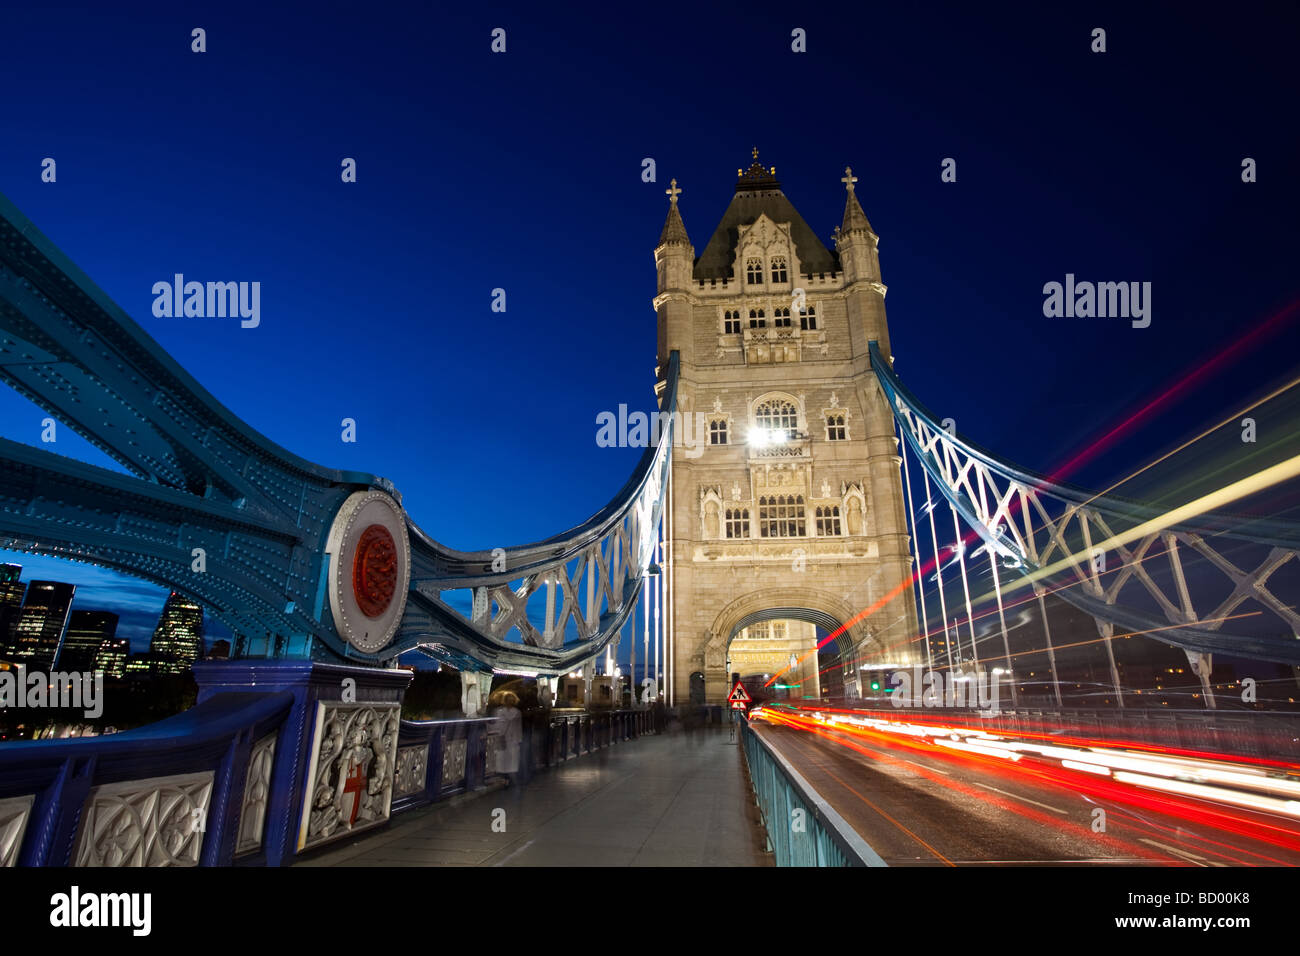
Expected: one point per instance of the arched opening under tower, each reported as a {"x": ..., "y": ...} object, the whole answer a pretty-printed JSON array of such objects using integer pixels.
[{"x": 778, "y": 644}]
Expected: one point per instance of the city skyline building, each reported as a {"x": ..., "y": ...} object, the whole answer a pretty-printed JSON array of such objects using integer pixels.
[
  {"x": 87, "y": 633},
  {"x": 43, "y": 623},
  {"x": 178, "y": 639},
  {"x": 11, "y": 604}
]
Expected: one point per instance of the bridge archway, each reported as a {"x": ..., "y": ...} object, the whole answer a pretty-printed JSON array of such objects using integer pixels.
[{"x": 821, "y": 608}]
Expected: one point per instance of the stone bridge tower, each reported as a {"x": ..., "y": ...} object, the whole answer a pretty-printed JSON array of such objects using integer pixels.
[{"x": 794, "y": 507}]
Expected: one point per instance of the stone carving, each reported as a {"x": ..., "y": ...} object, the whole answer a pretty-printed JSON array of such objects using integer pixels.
[
  {"x": 715, "y": 652},
  {"x": 826, "y": 488},
  {"x": 14, "y": 813},
  {"x": 412, "y": 765},
  {"x": 351, "y": 775},
  {"x": 257, "y": 795},
  {"x": 711, "y": 519},
  {"x": 453, "y": 762},
  {"x": 155, "y": 822},
  {"x": 854, "y": 517},
  {"x": 735, "y": 491}
]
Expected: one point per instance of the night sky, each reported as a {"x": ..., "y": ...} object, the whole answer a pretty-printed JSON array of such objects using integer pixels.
[{"x": 522, "y": 171}]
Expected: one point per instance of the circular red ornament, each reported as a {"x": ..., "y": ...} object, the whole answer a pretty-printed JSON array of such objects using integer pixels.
[{"x": 374, "y": 571}]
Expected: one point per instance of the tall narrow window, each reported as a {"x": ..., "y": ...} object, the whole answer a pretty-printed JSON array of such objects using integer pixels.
[
  {"x": 808, "y": 319},
  {"x": 737, "y": 522},
  {"x": 718, "y": 432},
  {"x": 754, "y": 271},
  {"x": 828, "y": 521},
  {"x": 778, "y": 269},
  {"x": 835, "y": 430},
  {"x": 781, "y": 516}
]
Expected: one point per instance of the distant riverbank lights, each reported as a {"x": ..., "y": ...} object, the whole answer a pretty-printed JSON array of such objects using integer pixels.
[{"x": 369, "y": 557}]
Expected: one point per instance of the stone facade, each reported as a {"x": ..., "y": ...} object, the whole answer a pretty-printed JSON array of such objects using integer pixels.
[
  {"x": 799, "y": 503},
  {"x": 769, "y": 646}
]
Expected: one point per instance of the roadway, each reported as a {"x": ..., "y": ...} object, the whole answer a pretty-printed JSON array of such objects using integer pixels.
[{"x": 922, "y": 802}]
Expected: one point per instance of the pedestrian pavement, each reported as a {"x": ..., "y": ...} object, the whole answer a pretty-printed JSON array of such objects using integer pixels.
[{"x": 676, "y": 799}]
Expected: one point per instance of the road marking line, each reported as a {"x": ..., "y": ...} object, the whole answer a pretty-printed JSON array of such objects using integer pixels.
[
  {"x": 1181, "y": 854},
  {"x": 1016, "y": 796}
]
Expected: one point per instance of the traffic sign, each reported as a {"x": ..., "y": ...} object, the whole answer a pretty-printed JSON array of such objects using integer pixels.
[
  {"x": 738, "y": 705},
  {"x": 739, "y": 694}
]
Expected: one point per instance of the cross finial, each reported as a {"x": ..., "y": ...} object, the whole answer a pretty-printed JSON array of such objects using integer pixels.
[
  {"x": 756, "y": 153},
  {"x": 673, "y": 192},
  {"x": 848, "y": 179}
]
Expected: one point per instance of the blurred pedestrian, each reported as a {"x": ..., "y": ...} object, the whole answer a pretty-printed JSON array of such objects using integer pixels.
[{"x": 505, "y": 735}]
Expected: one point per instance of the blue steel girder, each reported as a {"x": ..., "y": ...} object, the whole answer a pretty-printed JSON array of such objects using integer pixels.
[
  {"x": 1063, "y": 537},
  {"x": 203, "y": 478}
]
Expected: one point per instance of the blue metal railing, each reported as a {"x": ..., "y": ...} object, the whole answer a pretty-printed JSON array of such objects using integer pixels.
[
  {"x": 802, "y": 828},
  {"x": 222, "y": 783}
]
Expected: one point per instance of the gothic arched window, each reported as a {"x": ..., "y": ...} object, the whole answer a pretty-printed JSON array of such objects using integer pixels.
[
  {"x": 754, "y": 271},
  {"x": 778, "y": 269},
  {"x": 781, "y": 318},
  {"x": 731, "y": 322},
  {"x": 718, "y": 432},
  {"x": 828, "y": 521},
  {"x": 757, "y": 318},
  {"x": 777, "y": 413},
  {"x": 737, "y": 522},
  {"x": 781, "y": 516},
  {"x": 835, "y": 430},
  {"x": 808, "y": 318}
]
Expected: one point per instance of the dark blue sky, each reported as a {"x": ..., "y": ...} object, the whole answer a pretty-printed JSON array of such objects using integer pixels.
[{"x": 523, "y": 171}]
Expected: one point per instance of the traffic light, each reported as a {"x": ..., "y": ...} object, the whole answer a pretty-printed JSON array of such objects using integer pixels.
[{"x": 875, "y": 685}]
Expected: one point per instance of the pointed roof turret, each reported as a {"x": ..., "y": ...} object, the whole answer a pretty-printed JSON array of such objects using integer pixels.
[
  {"x": 758, "y": 193},
  {"x": 854, "y": 218},
  {"x": 674, "y": 229}
]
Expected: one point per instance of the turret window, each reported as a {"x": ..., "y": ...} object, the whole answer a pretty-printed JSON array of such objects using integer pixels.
[
  {"x": 731, "y": 322},
  {"x": 808, "y": 318},
  {"x": 781, "y": 318},
  {"x": 757, "y": 318},
  {"x": 781, "y": 516},
  {"x": 718, "y": 432},
  {"x": 835, "y": 430},
  {"x": 779, "y": 273},
  {"x": 754, "y": 271}
]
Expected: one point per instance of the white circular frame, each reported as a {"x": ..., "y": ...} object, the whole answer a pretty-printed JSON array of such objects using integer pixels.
[{"x": 358, "y": 512}]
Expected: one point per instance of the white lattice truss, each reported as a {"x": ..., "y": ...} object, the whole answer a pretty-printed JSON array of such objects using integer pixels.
[
  {"x": 590, "y": 576},
  {"x": 1108, "y": 556}
]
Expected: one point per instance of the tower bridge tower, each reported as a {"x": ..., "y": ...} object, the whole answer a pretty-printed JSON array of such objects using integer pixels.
[{"x": 794, "y": 507}]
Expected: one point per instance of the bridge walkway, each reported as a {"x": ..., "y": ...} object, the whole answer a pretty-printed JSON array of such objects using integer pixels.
[{"x": 677, "y": 799}]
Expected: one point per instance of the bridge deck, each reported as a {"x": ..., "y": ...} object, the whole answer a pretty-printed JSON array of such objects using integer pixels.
[{"x": 674, "y": 800}]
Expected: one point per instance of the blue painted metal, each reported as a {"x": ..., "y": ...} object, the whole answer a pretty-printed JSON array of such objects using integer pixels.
[
  {"x": 202, "y": 478},
  {"x": 1274, "y": 542},
  {"x": 208, "y": 737},
  {"x": 802, "y": 828}
]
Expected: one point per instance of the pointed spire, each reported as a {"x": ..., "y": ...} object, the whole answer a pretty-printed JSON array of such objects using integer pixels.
[
  {"x": 854, "y": 218},
  {"x": 674, "y": 229}
]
